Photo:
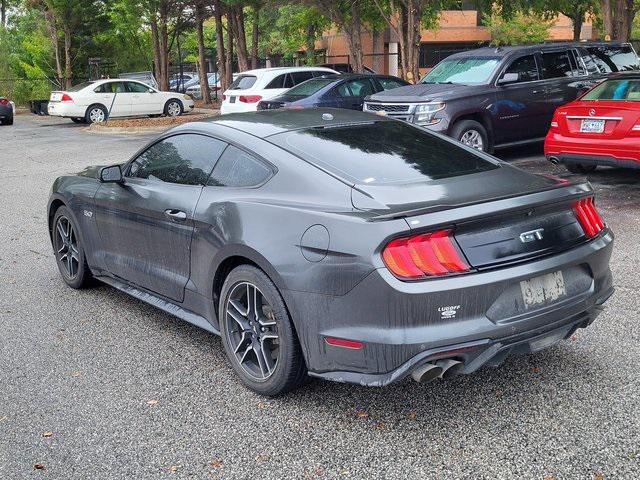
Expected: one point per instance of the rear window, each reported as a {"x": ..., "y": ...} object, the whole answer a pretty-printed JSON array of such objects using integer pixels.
[
  {"x": 623, "y": 90},
  {"x": 382, "y": 152},
  {"x": 309, "y": 87},
  {"x": 243, "y": 82},
  {"x": 80, "y": 86},
  {"x": 614, "y": 58}
]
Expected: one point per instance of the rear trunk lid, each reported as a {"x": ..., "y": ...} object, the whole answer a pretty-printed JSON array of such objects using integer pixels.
[
  {"x": 518, "y": 218},
  {"x": 602, "y": 119}
]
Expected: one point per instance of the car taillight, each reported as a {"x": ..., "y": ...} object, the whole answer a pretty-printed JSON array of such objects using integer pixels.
[
  {"x": 249, "y": 98},
  {"x": 66, "y": 98},
  {"x": 4, "y": 101},
  {"x": 554, "y": 121},
  {"x": 427, "y": 254},
  {"x": 635, "y": 130},
  {"x": 588, "y": 216},
  {"x": 224, "y": 97}
]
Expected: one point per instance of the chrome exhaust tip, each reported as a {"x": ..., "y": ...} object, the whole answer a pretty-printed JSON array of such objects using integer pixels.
[
  {"x": 426, "y": 373},
  {"x": 554, "y": 160},
  {"x": 450, "y": 368}
]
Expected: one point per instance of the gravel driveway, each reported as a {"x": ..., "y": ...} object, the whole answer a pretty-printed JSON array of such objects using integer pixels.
[{"x": 94, "y": 384}]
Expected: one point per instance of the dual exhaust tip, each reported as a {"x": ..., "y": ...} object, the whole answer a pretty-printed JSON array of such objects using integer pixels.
[{"x": 428, "y": 372}]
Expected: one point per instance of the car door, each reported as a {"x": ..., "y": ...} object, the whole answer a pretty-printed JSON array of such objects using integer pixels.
[
  {"x": 560, "y": 77},
  {"x": 114, "y": 96},
  {"x": 144, "y": 99},
  {"x": 146, "y": 222},
  {"x": 353, "y": 92},
  {"x": 519, "y": 111}
]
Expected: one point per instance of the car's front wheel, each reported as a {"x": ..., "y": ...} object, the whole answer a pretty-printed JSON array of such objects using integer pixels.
[
  {"x": 96, "y": 114},
  {"x": 258, "y": 334},
  {"x": 173, "y": 108},
  {"x": 69, "y": 250},
  {"x": 580, "y": 167},
  {"x": 472, "y": 134}
]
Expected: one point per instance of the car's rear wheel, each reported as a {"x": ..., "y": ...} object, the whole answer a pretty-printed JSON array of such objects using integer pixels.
[
  {"x": 8, "y": 121},
  {"x": 69, "y": 251},
  {"x": 257, "y": 333},
  {"x": 472, "y": 134},
  {"x": 580, "y": 167},
  {"x": 96, "y": 114},
  {"x": 173, "y": 108}
]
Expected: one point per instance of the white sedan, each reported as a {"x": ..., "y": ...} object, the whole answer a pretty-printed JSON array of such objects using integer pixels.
[
  {"x": 252, "y": 86},
  {"x": 96, "y": 101}
]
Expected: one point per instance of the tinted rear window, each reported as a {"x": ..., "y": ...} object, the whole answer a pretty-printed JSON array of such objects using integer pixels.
[
  {"x": 309, "y": 87},
  {"x": 623, "y": 90},
  {"x": 614, "y": 58},
  {"x": 80, "y": 86},
  {"x": 382, "y": 152},
  {"x": 243, "y": 82}
]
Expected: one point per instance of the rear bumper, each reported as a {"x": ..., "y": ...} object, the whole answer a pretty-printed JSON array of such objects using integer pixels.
[
  {"x": 6, "y": 112},
  {"x": 237, "y": 107},
  {"x": 623, "y": 152},
  {"x": 402, "y": 324},
  {"x": 64, "y": 109}
]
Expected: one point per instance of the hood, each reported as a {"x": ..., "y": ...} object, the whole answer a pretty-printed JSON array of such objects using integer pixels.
[
  {"x": 91, "y": 172},
  {"x": 423, "y": 92},
  {"x": 407, "y": 199}
]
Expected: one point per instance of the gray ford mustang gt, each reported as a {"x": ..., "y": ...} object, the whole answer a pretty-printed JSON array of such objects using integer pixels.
[{"x": 338, "y": 244}]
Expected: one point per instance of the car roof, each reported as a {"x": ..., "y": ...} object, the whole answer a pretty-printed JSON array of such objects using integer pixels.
[
  {"x": 265, "y": 123},
  {"x": 504, "y": 51},
  {"x": 259, "y": 71}
]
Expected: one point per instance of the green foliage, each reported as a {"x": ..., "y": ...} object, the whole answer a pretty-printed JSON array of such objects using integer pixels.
[{"x": 518, "y": 29}]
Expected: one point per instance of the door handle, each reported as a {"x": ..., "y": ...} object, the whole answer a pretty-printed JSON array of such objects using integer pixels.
[
  {"x": 535, "y": 92},
  {"x": 176, "y": 215}
]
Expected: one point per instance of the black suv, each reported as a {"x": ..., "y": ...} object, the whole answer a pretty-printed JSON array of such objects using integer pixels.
[{"x": 497, "y": 97}]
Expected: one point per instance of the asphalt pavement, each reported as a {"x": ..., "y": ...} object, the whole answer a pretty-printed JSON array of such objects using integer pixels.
[{"x": 95, "y": 384}]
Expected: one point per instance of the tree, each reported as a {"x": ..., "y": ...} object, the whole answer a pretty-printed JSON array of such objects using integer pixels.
[
  {"x": 200, "y": 16},
  {"x": 519, "y": 29}
]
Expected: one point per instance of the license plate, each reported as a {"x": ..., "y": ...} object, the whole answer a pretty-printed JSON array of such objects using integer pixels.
[
  {"x": 592, "y": 126},
  {"x": 543, "y": 289},
  {"x": 232, "y": 99}
]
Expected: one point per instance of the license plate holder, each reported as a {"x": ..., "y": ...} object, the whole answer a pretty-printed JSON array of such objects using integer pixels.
[
  {"x": 232, "y": 99},
  {"x": 592, "y": 126},
  {"x": 543, "y": 289}
]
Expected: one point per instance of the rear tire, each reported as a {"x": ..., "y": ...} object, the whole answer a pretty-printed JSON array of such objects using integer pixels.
[
  {"x": 69, "y": 251},
  {"x": 96, "y": 114},
  {"x": 472, "y": 134},
  {"x": 580, "y": 167},
  {"x": 260, "y": 343},
  {"x": 8, "y": 121}
]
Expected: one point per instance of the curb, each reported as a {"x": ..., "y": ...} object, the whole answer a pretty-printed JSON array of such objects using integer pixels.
[{"x": 94, "y": 128}]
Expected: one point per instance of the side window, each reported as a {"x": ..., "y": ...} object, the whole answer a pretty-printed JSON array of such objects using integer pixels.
[
  {"x": 525, "y": 67},
  {"x": 236, "y": 168},
  {"x": 343, "y": 90},
  {"x": 135, "y": 87},
  {"x": 276, "y": 82},
  {"x": 361, "y": 87},
  {"x": 299, "y": 77},
  {"x": 288, "y": 81},
  {"x": 390, "y": 83},
  {"x": 101, "y": 89},
  {"x": 184, "y": 159},
  {"x": 589, "y": 62},
  {"x": 556, "y": 65}
]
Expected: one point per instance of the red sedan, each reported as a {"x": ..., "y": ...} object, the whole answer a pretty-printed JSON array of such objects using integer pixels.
[{"x": 602, "y": 127}]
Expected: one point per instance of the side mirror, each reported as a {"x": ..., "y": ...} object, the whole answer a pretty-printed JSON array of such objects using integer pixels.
[
  {"x": 151, "y": 90},
  {"x": 509, "y": 78},
  {"x": 111, "y": 174}
]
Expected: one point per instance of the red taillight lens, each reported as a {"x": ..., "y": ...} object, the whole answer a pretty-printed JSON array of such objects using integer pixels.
[
  {"x": 4, "y": 101},
  {"x": 428, "y": 254},
  {"x": 249, "y": 98},
  {"x": 66, "y": 98},
  {"x": 588, "y": 216}
]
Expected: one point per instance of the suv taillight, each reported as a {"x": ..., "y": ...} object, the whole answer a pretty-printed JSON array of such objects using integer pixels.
[
  {"x": 4, "y": 101},
  {"x": 588, "y": 216},
  {"x": 66, "y": 98},
  {"x": 249, "y": 98},
  {"x": 424, "y": 255}
]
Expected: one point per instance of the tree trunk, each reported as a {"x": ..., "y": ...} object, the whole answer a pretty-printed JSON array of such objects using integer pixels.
[
  {"x": 356, "y": 38},
  {"x": 623, "y": 20},
  {"x": 412, "y": 42},
  {"x": 310, "y": 44},
  {"x": 52, "y": 28},
  {"x": 229, "y": 69},
  {"x": 67, "y": 57},
  {"x": 3, "y": 13},
  {"x": 221, "y": 54},
  {"x": 202, "y": 73},
  {"x": 237, "y": 28},
  {"x": 607, "y": 23},
  {"x": 163, "y": 46},
  {"x": 155, "y": 43},
  {"x": 578, "y": 19},
  {"x": 254, "y": 37}
]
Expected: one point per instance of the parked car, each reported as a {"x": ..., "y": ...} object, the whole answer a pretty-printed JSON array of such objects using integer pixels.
[
  {"x": 178, "y": 82},
  {"x": 346, "y": 68},
  {"x": 193, "y": 90},
  {"x": 602, "y": 127},
  {"x": 96, "y": 101},
  {"x": 7, "y": 110},
  {"x": 338, "y": 244},
  {"x": 338, "y": 91},
  {"x": 496, "y": 97},
  {"x": 252, "y": 86},
  {"x": 145, "y": 77}
]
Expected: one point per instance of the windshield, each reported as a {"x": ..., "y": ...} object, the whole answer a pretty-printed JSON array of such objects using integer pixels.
[
  {"x": 309, "y": 87},
  {"x": 622, "y": 90},
  {"x": 382, "y": 152},
  {"x": 462, "y": 70},
  {"x": 80, "y": 86},
  {"x": 243, "y": 82}
]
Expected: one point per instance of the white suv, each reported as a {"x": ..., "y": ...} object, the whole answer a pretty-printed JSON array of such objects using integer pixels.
[
  {"x": 252, "y": 86},
  {"x": 96, "y": 101}
]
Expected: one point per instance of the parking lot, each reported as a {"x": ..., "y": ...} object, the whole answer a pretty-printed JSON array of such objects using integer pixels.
[{"x": 95, "y": 384}]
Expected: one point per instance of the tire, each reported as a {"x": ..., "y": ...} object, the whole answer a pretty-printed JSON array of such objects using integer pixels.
[
  {"x": 580, "y": 167},
  {"x": 8, "y": 121},
  {"x": 173, "y": 108},
  {"x": 472, "y": 134},
  {"x": 282, "y": 367},
  {"x": 74, "y": 270},
  {"x": 78, "y": 120},
  {"x": 93, "y": 114}
]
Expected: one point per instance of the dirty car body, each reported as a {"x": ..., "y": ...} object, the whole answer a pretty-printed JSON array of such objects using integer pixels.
[{"x": 499, "y": 262}]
